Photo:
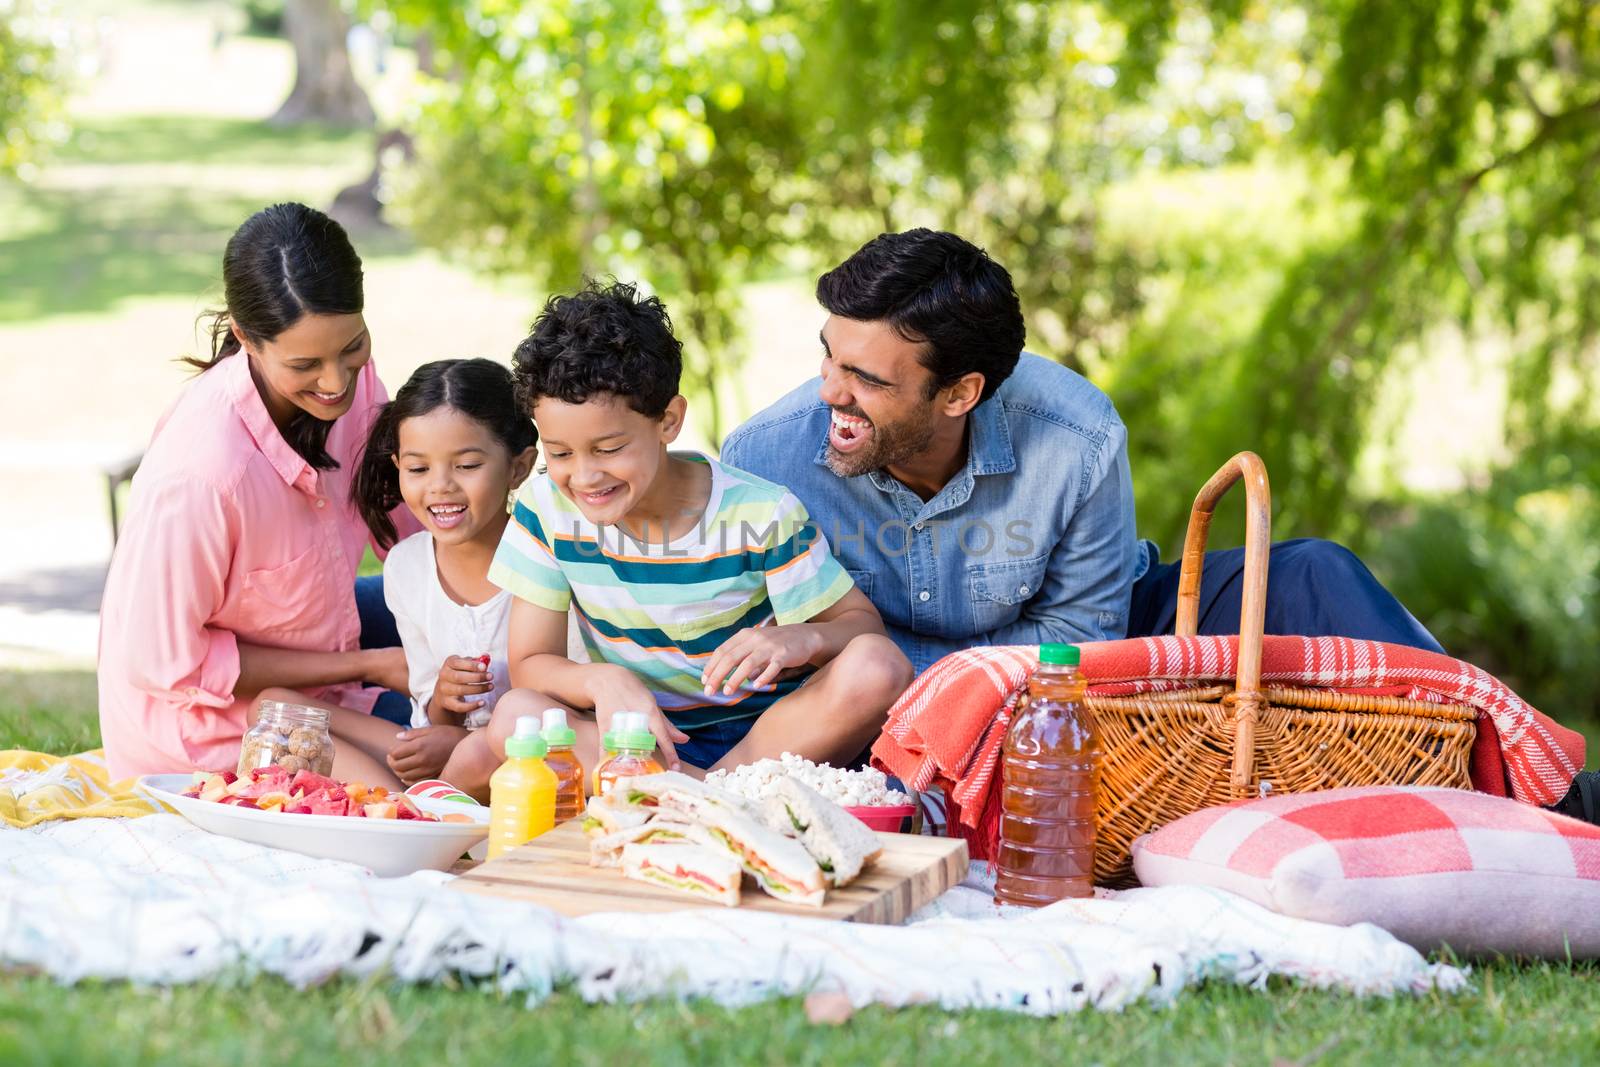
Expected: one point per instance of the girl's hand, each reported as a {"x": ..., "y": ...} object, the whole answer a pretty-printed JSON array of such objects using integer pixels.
[
  {"x": 462, "y": 682},
  {"x": 758, "y": 655},
  {"x": 422, "y": 752},
  {"x": 386, "y": 667},
  {"x": 613, "y": 689}
]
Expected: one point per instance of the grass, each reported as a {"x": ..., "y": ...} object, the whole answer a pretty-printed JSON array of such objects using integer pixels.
[
  {"x": 1543, "y": 1014},
  {"x": 1542, "y": 1011},
  {"x": 142, "y": 205}
]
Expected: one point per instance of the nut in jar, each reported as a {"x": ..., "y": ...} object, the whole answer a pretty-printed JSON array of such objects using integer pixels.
[{"x": 293, "y": 736}]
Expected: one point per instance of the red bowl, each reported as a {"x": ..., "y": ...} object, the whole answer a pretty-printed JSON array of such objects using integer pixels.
[{"x": 886, "y": 819}]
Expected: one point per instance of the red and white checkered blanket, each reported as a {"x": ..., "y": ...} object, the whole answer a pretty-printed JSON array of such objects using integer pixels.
[{"x": 948, "y": 727}]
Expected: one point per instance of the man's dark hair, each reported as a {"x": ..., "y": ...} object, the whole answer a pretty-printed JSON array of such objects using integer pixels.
[
  {"x": 601, "y": 339},
  {"x": 937, "y": 289}
]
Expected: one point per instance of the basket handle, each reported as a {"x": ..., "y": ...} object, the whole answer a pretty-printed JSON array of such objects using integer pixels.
[{"x": 1252, "y": 615}]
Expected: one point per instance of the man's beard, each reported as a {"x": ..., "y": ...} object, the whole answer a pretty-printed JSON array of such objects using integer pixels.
[{"x": 891, "y": 443}]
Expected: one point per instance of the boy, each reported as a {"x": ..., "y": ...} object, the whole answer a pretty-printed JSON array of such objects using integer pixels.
[{"x": 704, "y": 595}]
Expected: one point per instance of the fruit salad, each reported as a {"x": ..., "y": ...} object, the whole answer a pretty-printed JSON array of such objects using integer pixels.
[{"x": 305, "y": 792}]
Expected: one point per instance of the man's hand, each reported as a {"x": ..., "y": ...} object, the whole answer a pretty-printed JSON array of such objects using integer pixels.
[
  {"x": 612, "y": 689},
  {"x": 421, "y": 753},
  {"x": 758, "y": 655},
  {"x": 387, "y": 667},
  {"x": 462, "y": 682}
]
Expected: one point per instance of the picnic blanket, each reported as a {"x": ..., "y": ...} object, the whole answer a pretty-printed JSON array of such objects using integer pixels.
[
  {"x": 947, "y": 729},
  {"x": 157, "y": 900}
]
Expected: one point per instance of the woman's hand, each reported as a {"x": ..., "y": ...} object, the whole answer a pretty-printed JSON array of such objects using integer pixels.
[
  {"x": 462, "y": 682},
  {"x": 758, "y": 655},
  {"x": 612, "y": 689},
  {"x": 422, "y": 752},
  {"x": 386, "y": 667}
]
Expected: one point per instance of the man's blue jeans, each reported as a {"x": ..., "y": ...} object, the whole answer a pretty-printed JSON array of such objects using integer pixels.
[{"x": 1314, "y": 589}]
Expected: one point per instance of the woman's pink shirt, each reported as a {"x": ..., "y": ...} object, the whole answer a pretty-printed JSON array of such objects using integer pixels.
[{"x": 230, "y": 537}]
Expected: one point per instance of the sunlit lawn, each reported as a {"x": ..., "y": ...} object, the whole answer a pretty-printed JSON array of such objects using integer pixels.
[{"x": 1541, "y": 1014}]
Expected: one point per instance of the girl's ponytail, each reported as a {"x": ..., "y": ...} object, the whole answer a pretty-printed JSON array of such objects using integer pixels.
[{"x": 375, "y": 490}]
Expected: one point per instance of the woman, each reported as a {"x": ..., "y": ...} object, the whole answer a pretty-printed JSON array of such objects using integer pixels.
[{"x": 236, "y": 568}]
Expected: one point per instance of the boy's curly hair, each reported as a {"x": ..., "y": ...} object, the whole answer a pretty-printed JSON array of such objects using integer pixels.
[{"x": 601, "y": 339}]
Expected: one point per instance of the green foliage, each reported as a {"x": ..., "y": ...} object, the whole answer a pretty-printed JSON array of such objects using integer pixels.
[
  {"x": 1407, "y": 164},
  {"x": 1509, "y": 574},
  {"x": 30, "y": 84},
  {"x": 579, "y": 139}
]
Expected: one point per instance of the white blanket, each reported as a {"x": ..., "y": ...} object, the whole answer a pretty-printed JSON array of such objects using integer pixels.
[{"x": 156, "y": 900}]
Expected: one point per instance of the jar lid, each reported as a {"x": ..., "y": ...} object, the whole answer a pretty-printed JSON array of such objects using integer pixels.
[{"x": 281, "y": 711}]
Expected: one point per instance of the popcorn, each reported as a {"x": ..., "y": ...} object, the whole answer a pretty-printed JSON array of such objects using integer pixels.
[{"x": 868, "y": 788}]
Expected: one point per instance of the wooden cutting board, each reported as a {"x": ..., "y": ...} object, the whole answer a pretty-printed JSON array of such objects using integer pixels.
[{"x": 553, "y": 870}]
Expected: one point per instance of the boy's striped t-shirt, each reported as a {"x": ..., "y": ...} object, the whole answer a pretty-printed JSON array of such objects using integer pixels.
[{"x": 661, "y": 608}]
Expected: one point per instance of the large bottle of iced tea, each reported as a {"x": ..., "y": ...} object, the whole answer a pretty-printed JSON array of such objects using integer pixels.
[{"x": 1050, "y": 781}]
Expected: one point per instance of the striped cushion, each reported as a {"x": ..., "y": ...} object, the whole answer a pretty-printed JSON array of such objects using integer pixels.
[{"x": 1435, "y": 867}]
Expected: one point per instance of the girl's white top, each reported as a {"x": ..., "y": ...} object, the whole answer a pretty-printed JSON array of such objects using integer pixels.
[{"x": 433, "y": 627}]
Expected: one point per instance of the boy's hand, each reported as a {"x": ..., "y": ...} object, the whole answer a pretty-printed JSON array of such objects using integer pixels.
[
  {"x": 462, "y": 681},
  {"x": 613, "y": 689},
  {"x": 422, "y": 752},
  {"x": 758, "y": 655}
]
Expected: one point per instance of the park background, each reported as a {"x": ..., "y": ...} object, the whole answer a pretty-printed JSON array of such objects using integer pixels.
[{"x": 1355, "y": 236}]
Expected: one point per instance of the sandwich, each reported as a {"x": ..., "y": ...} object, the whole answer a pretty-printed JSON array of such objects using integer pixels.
[
  {"x": 780, "y": 864},
  {"x": 608, "y": 814},
  {"x": 606, "y": 850},
  {"x": 693, "y": 869},
  {"x": 839, "y": 842},
  {"x": 651, "y": 790}
]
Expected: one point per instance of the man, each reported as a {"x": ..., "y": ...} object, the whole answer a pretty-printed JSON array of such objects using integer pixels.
[{"x": 981, "y": 495}]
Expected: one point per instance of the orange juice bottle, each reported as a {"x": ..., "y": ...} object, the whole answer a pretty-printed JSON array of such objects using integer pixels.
[
  {"x": 630, "y": 751},
  {"x": 564, "y": 762},
  {"x": 1050, "y": 776},
  {"x": 522, "y": 793}
]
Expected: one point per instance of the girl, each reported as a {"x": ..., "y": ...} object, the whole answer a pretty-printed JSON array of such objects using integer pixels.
[
  {"x": 452, "y": 447},
  {"x": 235, "y": 571}
]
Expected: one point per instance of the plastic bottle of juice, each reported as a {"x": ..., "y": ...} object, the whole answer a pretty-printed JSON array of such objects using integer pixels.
[
  {"x": 1050, "y": 777},
  {"x": 564, "y": 762},
  {"x": 630, "y": 751},
  {"x": 522, "y": 793}
]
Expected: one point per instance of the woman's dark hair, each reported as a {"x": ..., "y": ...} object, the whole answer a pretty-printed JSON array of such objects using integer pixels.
[
  {"x": 287, "y": 261},
  {"x": 601, "y": 339},
  {"x": 478, "y": 388},
  {"x": 937, "y": 289}
]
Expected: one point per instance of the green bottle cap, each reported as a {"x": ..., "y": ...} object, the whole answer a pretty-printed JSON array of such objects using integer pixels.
[
  {"x": 611, "y": 741},
  {"x": 525, "y": 742},
  {"x": 556, "y": 731},
  {"x": 639, "y": 739},
  {"x": 1059, "y": 655}
]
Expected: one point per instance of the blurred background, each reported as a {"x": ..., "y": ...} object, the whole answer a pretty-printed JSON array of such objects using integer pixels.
[{"x": 1358, "y": 238}]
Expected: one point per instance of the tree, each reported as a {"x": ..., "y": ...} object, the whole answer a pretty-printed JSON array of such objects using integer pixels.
[
  {"x": 1237, "y": 216},
  {"x": 571, "y": 138},
  {"x": 29, "y": 84},
  {"x": 325, "y": 88}
]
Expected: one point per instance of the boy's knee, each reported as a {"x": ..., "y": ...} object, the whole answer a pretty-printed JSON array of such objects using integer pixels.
[{"x": 874, "y": 665}]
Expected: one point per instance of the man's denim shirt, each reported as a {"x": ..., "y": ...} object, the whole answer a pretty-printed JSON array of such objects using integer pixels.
[{"x": 1032, "y": 541}]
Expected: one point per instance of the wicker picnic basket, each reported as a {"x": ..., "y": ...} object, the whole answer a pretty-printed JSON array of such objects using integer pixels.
[{"x": 1167, "y": 754}]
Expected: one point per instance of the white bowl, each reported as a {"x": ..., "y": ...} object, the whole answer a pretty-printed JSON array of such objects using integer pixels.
[{"x": 388, "y": 847}]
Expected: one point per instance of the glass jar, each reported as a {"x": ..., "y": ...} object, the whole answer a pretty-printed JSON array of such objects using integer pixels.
[{"x": 293, "y": 736}]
